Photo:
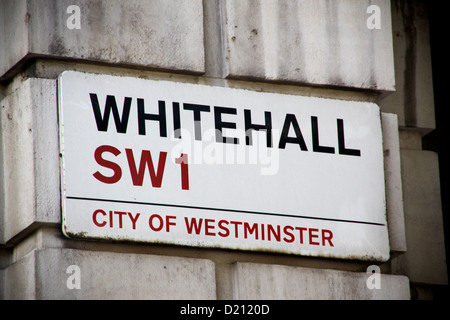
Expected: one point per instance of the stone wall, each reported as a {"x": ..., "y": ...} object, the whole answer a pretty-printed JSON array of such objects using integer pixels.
[{"x": 315, "y": 48}]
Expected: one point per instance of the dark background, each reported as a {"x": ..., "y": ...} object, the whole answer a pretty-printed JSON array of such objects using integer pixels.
[{"x": 437, "y": 140}]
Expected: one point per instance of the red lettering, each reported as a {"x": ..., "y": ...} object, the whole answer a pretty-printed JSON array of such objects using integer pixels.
[
  {"x": 133, "y": 219},
  {"x": 169, "y": 223},
  {"x": 161, "y": 222},
  {"x": 98, "y": 155},
  {"x": 226, "y": 231},
  {"x": 288, "y": 233},
  {"x": 300, "y": 229},
  {"x": 138, "y": 174},
  {"x": 94, "y": 218},
  {"x": 271, "y": 230},
  {"x": 110, "y": 219},
  {"x": 251, "y": 230},
  {"x": 146, "y": 161},
  {"x": 193, "y": 225},
  {"x": 327, "y": 237},
  {"x": 236, "y": 224},
  {"x": 99, "y": 223},
  {"x": 183, "y": 161},
  {"x": 311, "y": 236},
  {"x": 120, "y": 214},
  {"x": 208, "y": 226}
]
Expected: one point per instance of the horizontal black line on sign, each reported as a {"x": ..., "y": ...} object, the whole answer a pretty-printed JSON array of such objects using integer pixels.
[{"x": 226, "y": 210}]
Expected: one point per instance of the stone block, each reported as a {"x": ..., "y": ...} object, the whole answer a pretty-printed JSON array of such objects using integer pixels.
[
  {"x": 29, "y": 157},
  {"x": 413, "y": 100},
  {"x": 45, "y": 274},
  {"x": 19, "y": 279},
  {"x": 318, "y": 42},
  {"x": 393, "y": 178},
  {"x": 424, "y": 262},
  {"x": 160, "y": 34},
  {"x": 263, "y": 281}
]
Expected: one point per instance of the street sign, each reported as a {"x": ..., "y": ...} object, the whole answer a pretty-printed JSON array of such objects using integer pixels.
[{"x": 198, "y": 165}]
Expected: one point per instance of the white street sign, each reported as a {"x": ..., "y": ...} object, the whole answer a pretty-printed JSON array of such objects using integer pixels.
[{"x": 196, "y": 165}]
